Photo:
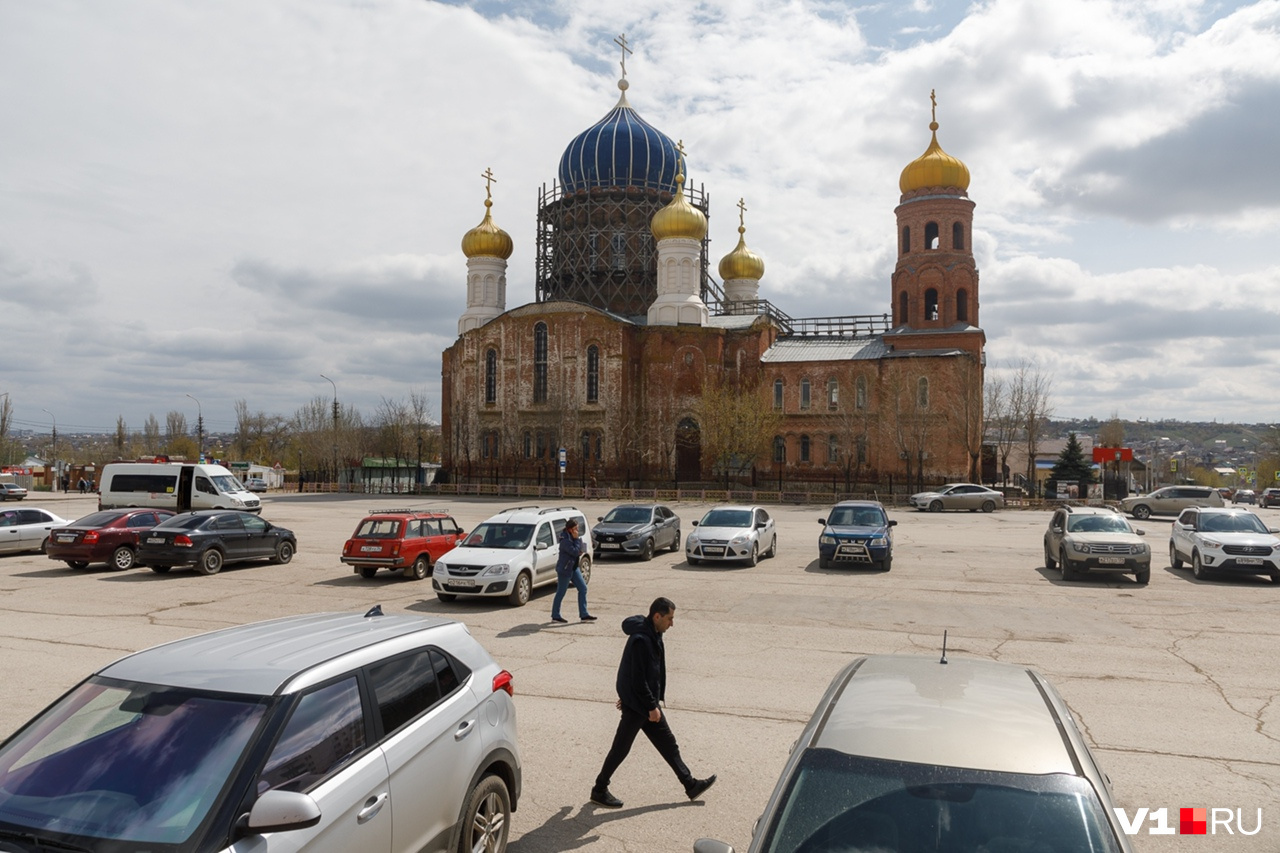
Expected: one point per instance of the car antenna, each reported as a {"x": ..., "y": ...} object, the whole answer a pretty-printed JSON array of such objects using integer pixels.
[
  {"x": 944, "y": 647},
  {"x": 376, "y": 610}
]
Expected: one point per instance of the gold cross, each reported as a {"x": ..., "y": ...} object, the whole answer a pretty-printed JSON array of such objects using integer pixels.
[
  {"x": 680, "y": 147},
  {"x": 621, "y": 41},
  {"x": 742, "y": 208},
  {"x": 488, "y": 179},
  {"x": 933, "y": 99}
]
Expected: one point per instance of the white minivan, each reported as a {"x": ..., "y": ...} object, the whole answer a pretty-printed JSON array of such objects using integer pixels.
[{"x": 174, "y": 486}]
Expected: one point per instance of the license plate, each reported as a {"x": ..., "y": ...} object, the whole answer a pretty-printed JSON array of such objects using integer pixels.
[
  {"x": 66, "y": 537},
  {"x": 1248, "y": 561},
  {"x": 608, "y": 545},
  {"x": 155, "y": 540},
  {"x": 713, "y": 552},
  {"x": 365, "y": 549},
  {"x": 1111, "y": 561},
  {"x": 466, "y": 583},
  {"x": 852, "y": 549}
]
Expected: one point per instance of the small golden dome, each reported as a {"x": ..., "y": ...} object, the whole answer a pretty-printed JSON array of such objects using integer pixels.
[
  {"x": 935, "y": 167},
  {"x": 679, "y": 218},
  {"x": 741, "y": 262},
  {"x": 487, "y": 239}
]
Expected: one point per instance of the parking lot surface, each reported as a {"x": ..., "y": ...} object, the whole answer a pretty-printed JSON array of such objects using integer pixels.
[{"x": 1174, "y": 684}]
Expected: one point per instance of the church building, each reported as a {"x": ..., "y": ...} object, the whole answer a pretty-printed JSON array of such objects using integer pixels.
[{"x": 646, "y": 369}]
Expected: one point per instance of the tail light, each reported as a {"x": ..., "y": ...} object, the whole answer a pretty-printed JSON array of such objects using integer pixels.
[
  {"x": 182, "y": 540},
  {"x": 502, "y": 681},
  {"x": 90, "y": 537},
  {"x": 395, "y": 549}
]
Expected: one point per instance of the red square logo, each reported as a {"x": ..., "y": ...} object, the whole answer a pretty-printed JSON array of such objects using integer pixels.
[{"x": 1193, "y": 821}]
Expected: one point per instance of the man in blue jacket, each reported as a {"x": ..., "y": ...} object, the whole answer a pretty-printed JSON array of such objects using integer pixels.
[
  {"x": 569, "y": 572},
  {"x": 642, "y": 684}
]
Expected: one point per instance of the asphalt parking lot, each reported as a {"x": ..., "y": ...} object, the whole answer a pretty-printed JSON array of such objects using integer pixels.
[{"x": 1174, "y": 684}]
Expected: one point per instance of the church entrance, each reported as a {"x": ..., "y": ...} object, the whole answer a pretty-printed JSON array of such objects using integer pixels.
[{"x": 688, "y": 451}]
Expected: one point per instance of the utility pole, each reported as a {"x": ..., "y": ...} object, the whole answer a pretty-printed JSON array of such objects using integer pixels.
[
  {"x": 54, "y": 452},
  {"x": 199, "y": 427},
  {"x": 336, "y": 417}
]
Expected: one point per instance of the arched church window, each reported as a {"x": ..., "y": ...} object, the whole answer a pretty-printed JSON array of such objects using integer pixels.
[
  {"x": 777, "y": 393},
  {"x": 906, "y": 239},
  {"x": 541, "y": 445},
  {"x": 804, "y": 448},
  {"x": 491, "y": 376},
  {"x": 593, "y": 374},
  {"x": 833, "y": 449},
  {"x": 962, "y": 305},
  {"x": 833, "y": 393},
  {"x": 931, "y": 235},
  {"x": 862, "y": 450},
  {"x": 528, "y": 444},
  {"x": 779, "y": 450},
  {"x": 860, "y": 393},
  {"x": 586, "y": 445},
  {"x": 540, "y": 364},
  {"x": 903, "y": 318},
  {"x": 931, "y": 304},
  {"x": 922, "y": 392},
  {"x": 957, "y": 236},
  {"x": 805, "y": 394}
]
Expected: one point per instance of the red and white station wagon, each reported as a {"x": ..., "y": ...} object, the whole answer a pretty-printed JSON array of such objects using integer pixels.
[{"x": 407, "y": 540}]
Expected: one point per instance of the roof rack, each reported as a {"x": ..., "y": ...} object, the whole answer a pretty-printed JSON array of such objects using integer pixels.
[
  {"x": 406, "y": 509},
  {"x": 519, "y": 508},
  {"x": 557, "y": 509}
]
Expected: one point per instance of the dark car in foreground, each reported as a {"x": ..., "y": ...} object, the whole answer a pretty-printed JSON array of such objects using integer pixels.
[
  {"x": 211, "y": 538},
  {"x": 328, "y": 732},
  {"x": 636, "y": 530},
  {"x": 916, "y": 753},
  {"x": 856, "y": 533},
  {"x": 108, "y": 536}
]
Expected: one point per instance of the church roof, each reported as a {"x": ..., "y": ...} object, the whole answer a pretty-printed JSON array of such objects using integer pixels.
[
  {"x": 825, "y": 349},
  {"x": 620, "y": 150}
]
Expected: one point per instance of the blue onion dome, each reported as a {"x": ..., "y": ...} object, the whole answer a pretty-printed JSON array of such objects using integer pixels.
[{"x": 621, "y": 150}]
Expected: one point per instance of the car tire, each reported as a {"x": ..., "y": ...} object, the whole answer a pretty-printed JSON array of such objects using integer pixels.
[
  {"x": 584, "y": 566},
  {"x": 886, "y": 564},
  {"x": 210, "y": 562},
  {"x": 935, "y": 506},
  {"x": 44, "y": 546},
  {"x": 988, "y": 506},
  {"x": 446, "y": 597},
  {"x": 1064, "y": 566},
  {"x": 823, "y": 562},
  {"x": 1198, "y": 569},
  {"x": 754, "y": 556},
  {"x": 522, "y": 591},
  {"x": 1174, "y": 560},
  {"x": 1143, "y": 578},
  {"x": 284, "y": 553},
  {"x": 122, "y": 558},
  {"x": 78, "y": 564},
  {"x": 595, "y": 555},
  {"x": 368, "y": 571},
  {"x": 693, "y": 561},
  {"x": 486, "y": 820},
  {"x": 160, "y": 570},
  {"x": 420, "y": 569},
  {"x": 1141, "y": 512},
  {"x": 773, "y": 548},
  {"x": 646, "y": 550},
  {"x": 1049, "y": 562},
  {"x": 1275, "y": 577},
  {"x": 675, "y": 543}
]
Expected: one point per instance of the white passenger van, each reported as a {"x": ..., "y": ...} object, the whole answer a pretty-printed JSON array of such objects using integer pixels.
[{"x": 174, "y": 486}]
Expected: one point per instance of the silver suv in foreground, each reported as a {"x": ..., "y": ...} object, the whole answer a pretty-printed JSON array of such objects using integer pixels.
[
  {"x": 920, "y": 754},
  {"x": 325, "y": 732},
  {"x": 1084, "y": 539}
]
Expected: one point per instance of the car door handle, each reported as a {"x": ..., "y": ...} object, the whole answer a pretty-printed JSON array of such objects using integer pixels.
[
  {"x": 371, "y": 807},
  {"x": 464, "y": 729}
]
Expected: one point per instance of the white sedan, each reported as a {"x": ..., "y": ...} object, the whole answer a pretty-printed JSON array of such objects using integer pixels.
[
  {"x": 27, "y": 529},
  {"x": 732, "y": 533}
]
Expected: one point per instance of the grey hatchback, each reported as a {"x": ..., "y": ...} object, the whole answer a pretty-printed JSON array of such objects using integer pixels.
[
  {"x": 329, "y": 732},
  {"x": 913, "y": 753}
]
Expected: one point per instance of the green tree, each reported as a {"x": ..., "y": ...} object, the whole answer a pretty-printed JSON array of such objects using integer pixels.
[{"x": 1071, "y": 465}]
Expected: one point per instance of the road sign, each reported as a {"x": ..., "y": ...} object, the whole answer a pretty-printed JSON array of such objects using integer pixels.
[{"x": 563, "y": 457}]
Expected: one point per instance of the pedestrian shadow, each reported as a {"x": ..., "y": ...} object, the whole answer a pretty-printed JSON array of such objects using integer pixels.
[
  {"x": 523, "y": 630},
  {"x": 566, "y": 830}
]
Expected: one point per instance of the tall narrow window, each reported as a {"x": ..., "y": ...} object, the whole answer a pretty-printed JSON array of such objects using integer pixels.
[
  {"x": 541, "y": 447},
  {"x": 593, "y": 248},
  {"x": 599, "y": 435},
  {"x": 931, "y": 235},
  {"x": 804, "y": 448},
  {"x": 833, "y": 393},
  {"x": 528, "y": 444},
  {"x": 957, "y": 236},
  {"x": 962, "y": 305},
  {"x": 586, "y": 445},
  {"x": 618, "y": 248},
  {"x": 903, "y": 304},
  {"x": 491, "y": 376},
  {"x": 805, "y": 394},
  {"x": 540, "y": 363},
  {"x": 779, "y": 449},
  {"x": 860, "y": 393},
  {"x": 862, "y": 450},
  {"x": 906, "y": 240},
  {"x": 593, "y": 374},
  {"x": 833, "y": 449},
  {"x": 922, "y": 392},
  {"x": 777, "y": 393},
  {"x": 931, "y": 304}
]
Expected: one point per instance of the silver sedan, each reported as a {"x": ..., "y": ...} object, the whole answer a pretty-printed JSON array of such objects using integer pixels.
[{"x": 958, "y": 496}]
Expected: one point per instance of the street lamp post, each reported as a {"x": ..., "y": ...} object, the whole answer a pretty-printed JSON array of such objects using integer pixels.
[
  {"x": 199, "y": 426},
  {"x": 336, "y": 411},
  {"x": 417, "y": 477},
  {"x": 54, "y": 452}
]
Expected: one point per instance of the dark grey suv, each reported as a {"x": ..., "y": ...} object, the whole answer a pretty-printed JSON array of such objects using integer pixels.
[{"x": 329, "y": 732}]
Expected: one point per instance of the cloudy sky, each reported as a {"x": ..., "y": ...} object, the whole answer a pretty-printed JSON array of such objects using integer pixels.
[{"x": 230, "y": 199}]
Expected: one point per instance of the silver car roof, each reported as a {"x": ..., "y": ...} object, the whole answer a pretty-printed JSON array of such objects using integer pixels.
[
  {"x": 973, "y": 714},
  {"x": 264, "y": 657}
]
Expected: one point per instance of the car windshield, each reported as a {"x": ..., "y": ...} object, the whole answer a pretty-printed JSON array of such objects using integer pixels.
[
  {"x": 98, "y": 519},
  {"x": 727, "y": 518},
  {"x": 856, "y": 516},
  {"x": 488, "y": 535},
  {"x": 1245, "y": 522},
  {"x": 838, "y": 802},
  {"x": 227, "y": 483},
  {"x": 1097, "y": 524},
  {"x": 629, "y": 515},
  {"x": 116, "y": 760},
  {"x": 378, "y": 528}
]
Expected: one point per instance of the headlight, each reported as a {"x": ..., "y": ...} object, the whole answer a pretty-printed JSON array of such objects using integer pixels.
[
  {"x": 879, "y": 542},
  {"x": 692, "y": 540},
  {"x": 1143, "y": 548},
  {"x": 1209, "y": 543},
  {"x": 740, "y": 539},
  {"x": 440, "y": 568},
  {"x": 237, "y": 502},
  {"x": 496, "y": 569},
  {"x": 826, "y": 539},
  {"x": 1078, "y": 547}
]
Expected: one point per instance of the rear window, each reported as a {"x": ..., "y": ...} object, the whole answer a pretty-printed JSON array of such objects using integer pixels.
[
  {"x": 98, "y": 519},
  {"x": 378, "y": 528},
  {"x": 183, "y": 522}
]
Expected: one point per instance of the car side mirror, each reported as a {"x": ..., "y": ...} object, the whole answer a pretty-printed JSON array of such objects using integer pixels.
[
  {"x": 279, "y": 811},
  {"x": 1055, "y": 529},
  {"x": 823, "y": 522},
  {"x": 1139, "y": 531},
  {"x": 695, "y": 524},
  {"x": 892, "y": 523},
  {"x": 599, "y": 518},
  {"x": 711, "y": 845},
  {"x": 1273, "y": 530},
  {"x": 542, "y": 546}
]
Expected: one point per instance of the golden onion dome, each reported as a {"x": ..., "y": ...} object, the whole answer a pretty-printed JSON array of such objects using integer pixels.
[
  {"x": 741, "y": 262},
  {"x": 935, "y": 167},
  {"x": 487, "y": 239},
  {"x": 679, "y": 218}
]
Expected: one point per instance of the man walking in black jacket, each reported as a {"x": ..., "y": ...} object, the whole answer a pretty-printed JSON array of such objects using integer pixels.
[{"x": 642, "y": 683}]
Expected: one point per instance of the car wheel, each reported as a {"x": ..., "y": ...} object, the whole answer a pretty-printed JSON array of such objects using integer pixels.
[
  {"x": 886, "y": 564},
  {"x": 584, "y": 566},
  {"x": 487, "y": 818},
  {"x": 1143, "y": 578},
  {"x": 1198, "y": 568},
  {"x": 935, "y": 506},
  {"x": 693, "y": 561},
  {"x": 1064, "y": 566},
  {"x": 988, "y": 506},
  {"x": 210, "y": 562},
  {"x": 284, "y": 553},
  {"x": 595, "y": 555},
  {"x": 1275, "y": 577},
  {"x": 446, "y": 597},
  {"x": 77, "y": 564},
  {"x": 44, "y": 546},
  {"x": 160, "y": 570},
  {"x": 522, "y": 591},
  {"x": 754, "y": 556},
  {"x": 675, "y": 543},
  {"x": 823, "y": 562},
  {"x": 420, "y": 569},
  {"x": 1141, "y": 511},
  {"x": 646, "y": 550},
  {"x": 1049, "y": 562},
  {"x": 122, "y": 558},
  {"x": 368, "y": 571},
  {"x": 773, "y": 548},
  {"x": 1174, "y": 560}
]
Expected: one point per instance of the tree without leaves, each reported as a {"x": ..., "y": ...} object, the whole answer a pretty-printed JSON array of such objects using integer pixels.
[
  {"x": 1031, "y": 390},
  {"x": 151, "y": 435},
  {"x": 737, "y": 427}
]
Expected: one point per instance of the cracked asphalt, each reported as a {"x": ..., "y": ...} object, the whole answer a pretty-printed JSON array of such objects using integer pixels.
[{"x": 1174, "y": 684}]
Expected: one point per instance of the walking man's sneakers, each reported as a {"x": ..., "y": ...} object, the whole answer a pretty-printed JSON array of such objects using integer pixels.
[
  {"x": 602, "y": 797},
  {"x": 697, "y": 787}
]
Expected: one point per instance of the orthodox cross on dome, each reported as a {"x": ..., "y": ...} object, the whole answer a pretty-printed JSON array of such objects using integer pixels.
[
  {"x": 742, "y": 208},
  {"x": 488, "y": 180},
  {"x": 933, "y": 110},
  {"x": 621, "y": 41}
]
